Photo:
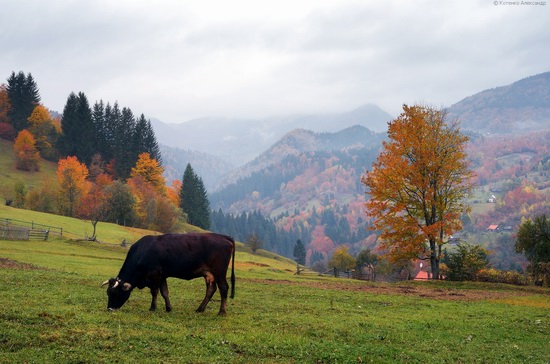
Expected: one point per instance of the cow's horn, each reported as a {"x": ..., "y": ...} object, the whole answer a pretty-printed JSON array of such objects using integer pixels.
[
  {"x": 127, "y": 286},
  {"x": 116, "y": 284},
  {"x": 105, "y": 283}
]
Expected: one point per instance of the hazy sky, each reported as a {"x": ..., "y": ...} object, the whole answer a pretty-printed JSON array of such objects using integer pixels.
[{"x": 178, "y": 60}]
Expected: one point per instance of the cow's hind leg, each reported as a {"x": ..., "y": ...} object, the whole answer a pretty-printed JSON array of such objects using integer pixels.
[
  {"x": 164, "y": 293},
  {"x": 154, "y": 294},
  {"x": 210, "y": 290},
  {"x": 224, "y": 288}
]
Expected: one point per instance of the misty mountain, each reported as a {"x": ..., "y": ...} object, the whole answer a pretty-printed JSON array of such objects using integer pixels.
[
  {"x": 343, "y": 155},
  {"x": 210, "y": 168},
  {"x": 241, "y": 140},
  {"x": 300, "y": 141},
  {"x": 520, "y": 107}
]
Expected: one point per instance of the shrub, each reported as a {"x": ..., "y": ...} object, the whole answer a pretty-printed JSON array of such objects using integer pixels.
[
  {"x": 466, "y": 262},
  {"x": 501, "y": 276}
]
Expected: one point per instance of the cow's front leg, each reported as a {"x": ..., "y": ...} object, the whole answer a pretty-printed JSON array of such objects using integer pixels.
[
  {"x": 164, "y": 293},
  {"x": 210, "y": 290},
  {"x": 154, "y": 294}
]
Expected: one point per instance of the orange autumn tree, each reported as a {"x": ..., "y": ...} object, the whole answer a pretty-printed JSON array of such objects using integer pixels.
[
  {"x": 26, "y": 154},
  {"x": 151, "y": 171},
  {"x": 418, "y": 184},
  {"x": 46, "y": 133},
  {"x": 71, "y": 175}
]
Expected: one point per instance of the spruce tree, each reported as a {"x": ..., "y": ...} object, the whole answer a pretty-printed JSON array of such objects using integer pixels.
[
  {"x": 144, "y": 140},
  {"x": 103, "y": 134},
  {"x": 78, "y": 131},
  {"x": 151, "y": 142},
  {"x": 24, "y": 96},
  {"x": 299, "y": 252},
  {"x": 194, "y": 199},
  {"x": 124, "y": 156}
]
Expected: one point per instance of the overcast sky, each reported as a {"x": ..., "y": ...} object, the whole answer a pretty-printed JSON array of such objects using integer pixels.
[{"x": 178, "y": 60}]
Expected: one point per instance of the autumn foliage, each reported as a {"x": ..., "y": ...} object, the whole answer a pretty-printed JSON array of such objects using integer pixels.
[
  {"x": 26, "y": 154},
  {"x": 417, "y": 185},
  {"x": 71, "y": 175},
  {"x": 150, "y": 170}
]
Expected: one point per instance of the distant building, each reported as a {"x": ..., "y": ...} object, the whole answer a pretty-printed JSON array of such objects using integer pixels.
[{"x": 493, "y": 228}]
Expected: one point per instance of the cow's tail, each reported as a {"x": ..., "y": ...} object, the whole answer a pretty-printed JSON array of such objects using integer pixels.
[{"x": 233, "y": 269}]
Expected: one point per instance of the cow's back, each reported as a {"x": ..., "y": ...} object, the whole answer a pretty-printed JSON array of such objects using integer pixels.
[{"x": 184, "y": 256}]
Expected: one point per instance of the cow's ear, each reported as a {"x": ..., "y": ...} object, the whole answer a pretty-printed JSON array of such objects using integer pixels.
[{"x": 127, "y": 286}]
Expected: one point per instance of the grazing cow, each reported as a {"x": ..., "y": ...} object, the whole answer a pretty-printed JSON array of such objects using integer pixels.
[{"x": 152, "y": 259}]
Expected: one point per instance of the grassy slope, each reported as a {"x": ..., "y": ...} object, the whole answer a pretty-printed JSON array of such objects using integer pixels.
[
  {"x": 9, "y": 175},
  {"x": 58, "y": 314}
]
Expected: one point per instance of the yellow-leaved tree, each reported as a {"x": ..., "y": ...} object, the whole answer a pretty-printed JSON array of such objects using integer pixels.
[
  {"x": 26, "y": 154},
  {"x": 418, "y": 184},
  {"x": 151, "y": 171},
  {"x": 71, "y": 175},
  {"x": 45, "y": 131}
]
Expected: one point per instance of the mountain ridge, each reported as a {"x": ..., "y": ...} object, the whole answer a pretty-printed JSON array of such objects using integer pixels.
[
  {"x": 522, "y": 106},
  {"x": 239, "y": 141}
]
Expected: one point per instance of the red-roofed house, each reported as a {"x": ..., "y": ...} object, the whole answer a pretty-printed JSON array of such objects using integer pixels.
[{"x": 493, "y": 227}]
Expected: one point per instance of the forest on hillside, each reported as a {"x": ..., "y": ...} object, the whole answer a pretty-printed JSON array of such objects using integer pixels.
[
  {"x": 306, "y": 188},
  {"x": 109, "y": 165}
]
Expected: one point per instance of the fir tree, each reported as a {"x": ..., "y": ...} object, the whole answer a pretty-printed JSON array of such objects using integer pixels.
[
  {"x": 78, "y": 131},
  {"x": 144, "y": 140},
  {"x": 194, "y": 199},
  {"x": 124, "y": 155},
  {"x": 300, "y": 252},
  {"x": 104, "y": 134},
  {"x": 24, "y": 96}
]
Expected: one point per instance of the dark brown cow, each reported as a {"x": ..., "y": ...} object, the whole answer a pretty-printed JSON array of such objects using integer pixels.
[{"x": 152, "y": 259}]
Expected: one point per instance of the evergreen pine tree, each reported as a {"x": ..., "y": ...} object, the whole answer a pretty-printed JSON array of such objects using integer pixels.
[
  {"x": 151, "y": 143},
  {"x": 124, "y": 156},
  {"x": 24, "y": 96},
  {"x": 299, "y": 252},
  {"x": 103, "y": 133},
  {"x": 194, "y": 199},
  {"x": 78, "y": 131},
  {"x": 144, "y": 140},
  {"x": 112, "y": 117}
]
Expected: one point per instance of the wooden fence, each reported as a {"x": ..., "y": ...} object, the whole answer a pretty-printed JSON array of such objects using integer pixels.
[{"x": 21, "y": 230}]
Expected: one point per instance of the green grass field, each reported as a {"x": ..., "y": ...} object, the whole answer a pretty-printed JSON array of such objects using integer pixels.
[
  {"x": 9, "y": 175},
  {"x": 53, "y": 310}
]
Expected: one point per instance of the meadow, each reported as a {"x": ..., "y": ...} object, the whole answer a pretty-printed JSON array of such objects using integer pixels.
[{"x": 53, "y": 310}]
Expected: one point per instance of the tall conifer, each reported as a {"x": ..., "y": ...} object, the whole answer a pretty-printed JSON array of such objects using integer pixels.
[
  {"x": 78, "y": 131},
  {"x": 194, "y": 199},
  {"x": 24, "y": 96}
]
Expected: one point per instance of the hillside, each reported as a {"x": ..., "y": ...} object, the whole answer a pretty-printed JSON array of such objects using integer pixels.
[
  {"x": 210, "y": 168},
  {"x": 300, "y": 141},
  {"x": 239, "y": 141},
  {"x": 56, "y": 311},
  {"x": 9, "y": 176},
  {"x": 309, "y": 185},
  {"x": 520, "y": 107}
]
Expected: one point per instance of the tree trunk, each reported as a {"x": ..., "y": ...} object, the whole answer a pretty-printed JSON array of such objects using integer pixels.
[
  {"x": 434, "y": 259},
  {"x": 94, "y": 223}
]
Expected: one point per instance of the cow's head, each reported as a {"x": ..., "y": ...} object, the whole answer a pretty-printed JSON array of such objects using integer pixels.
[{"x": 118, "y": 292}]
